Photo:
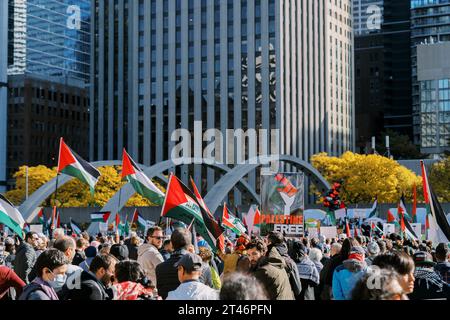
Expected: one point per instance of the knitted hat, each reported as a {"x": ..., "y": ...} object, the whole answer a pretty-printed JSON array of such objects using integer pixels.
[{"x": 357, "y": 253}]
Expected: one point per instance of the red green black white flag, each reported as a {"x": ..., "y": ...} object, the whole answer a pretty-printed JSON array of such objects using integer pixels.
[
  {"x": 140, "y": 182},
  {"x": 73, "y": 165}
]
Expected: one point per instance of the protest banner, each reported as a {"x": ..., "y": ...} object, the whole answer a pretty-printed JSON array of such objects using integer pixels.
[{"x": 282, "y": 203}]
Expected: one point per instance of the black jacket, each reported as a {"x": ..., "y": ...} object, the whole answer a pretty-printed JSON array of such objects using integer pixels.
[
  {"x": 90, "y": 289},
  {"x": 24, "y": 261},
  {"x": 429, "y": 285},
  {"x": 132, "y": 250},
  {"x": 78, "y": 258},
  {"x": 167, "y": 274}
]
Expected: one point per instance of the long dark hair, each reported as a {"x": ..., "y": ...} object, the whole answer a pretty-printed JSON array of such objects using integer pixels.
[
  {"x": 398, "y": 261},
  {"x": 347, "y": 246}
]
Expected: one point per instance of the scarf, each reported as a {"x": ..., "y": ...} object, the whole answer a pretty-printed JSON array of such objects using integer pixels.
[
  {"x": 430, "y": 277},
  {"x": 307, "y": 270},
  {"x": 49, "y": 291},
  {"x": 130, "y": 290}
]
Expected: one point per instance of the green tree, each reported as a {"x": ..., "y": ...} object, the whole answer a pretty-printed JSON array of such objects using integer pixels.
[
  {"x": 440, "y": 179},
  {"x": 401, "y": 146}
]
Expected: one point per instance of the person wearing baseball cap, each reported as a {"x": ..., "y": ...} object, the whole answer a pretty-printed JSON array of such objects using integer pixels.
[
  {"x": 428, "y": 283},
  {"x": 189, "y": 271},
  {"x": 373, "y": 249}
]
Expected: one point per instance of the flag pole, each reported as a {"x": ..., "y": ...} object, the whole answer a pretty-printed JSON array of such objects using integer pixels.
[{"x": 194, "y": 237}]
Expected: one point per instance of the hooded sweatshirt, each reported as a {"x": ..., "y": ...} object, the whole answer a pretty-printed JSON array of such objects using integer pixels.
[
  {"x": 345, "y": 278},
  {"x": 149, "y": 257},
  {"x": 271, "y": 272}
]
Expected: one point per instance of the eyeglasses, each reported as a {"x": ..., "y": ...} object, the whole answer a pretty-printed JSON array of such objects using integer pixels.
[{"x": 158, "y": 238}]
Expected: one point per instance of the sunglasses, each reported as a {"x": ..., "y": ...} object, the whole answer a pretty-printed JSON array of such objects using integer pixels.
[{"x": 158, "y": 238}]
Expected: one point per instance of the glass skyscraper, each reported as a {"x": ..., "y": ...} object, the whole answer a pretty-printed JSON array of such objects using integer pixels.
[
  {"x": 50, "y": 37},
  {"x": 160, "y": 65},
  {"x": 430, "y": 30}
]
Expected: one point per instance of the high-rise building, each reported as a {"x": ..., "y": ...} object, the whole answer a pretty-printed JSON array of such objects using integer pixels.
[
  {"x": 3, "y": 91},
  {"x": 160, "y": 65},
  {"x": 48, "y": 77},
  {"x": 49, "y": 38},
  {"x": 367, "y": 16},
  {"x": 430, "y": 24},
  {"x": 40, "y": 111},
  {"x": 383, "y": 71}
]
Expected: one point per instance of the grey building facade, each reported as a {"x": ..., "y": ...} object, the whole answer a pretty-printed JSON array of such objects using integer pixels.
[
  {"x": 3, "y": 91},
  {"x": 430, "y": 24},
  {"x": 160, "y": 65}
]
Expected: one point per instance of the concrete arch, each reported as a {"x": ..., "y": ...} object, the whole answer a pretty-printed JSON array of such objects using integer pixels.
[
  {"x": 29, "y": 206},
  {"x": 127, "y": 190},
  {"x": 227, "y": 182}
]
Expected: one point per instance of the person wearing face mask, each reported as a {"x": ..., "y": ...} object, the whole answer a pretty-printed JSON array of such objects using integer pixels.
[
  {"x": 67, "y": 246},
  {"x": 50, "y": 267},
  {"x": 95, "y": 284}
]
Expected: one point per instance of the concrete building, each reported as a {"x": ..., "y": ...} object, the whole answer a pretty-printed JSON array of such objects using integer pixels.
[
  {"x": 433, "y": 77},
  {"x": 160, "y": 65},
  {"x": 40, "y": 111},
  {"x": 3, "y": 91},
  {"x": 430, "y": 24}
]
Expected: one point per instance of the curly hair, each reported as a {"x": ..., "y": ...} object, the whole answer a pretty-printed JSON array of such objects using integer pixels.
[
  {"x": 239, "y": 286},
  {"x": 258, "y": 244}
]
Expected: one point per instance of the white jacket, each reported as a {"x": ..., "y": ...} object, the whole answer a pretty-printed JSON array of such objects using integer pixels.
[
  {"x": 193, "y": 290},
  {"x": 149, "y": 257}
]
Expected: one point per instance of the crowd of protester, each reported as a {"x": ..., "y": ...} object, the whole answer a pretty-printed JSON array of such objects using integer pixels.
[{"x": 180, "y": 267}]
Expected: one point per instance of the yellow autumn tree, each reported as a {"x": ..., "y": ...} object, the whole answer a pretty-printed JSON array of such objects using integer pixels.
[
  {"x": 367, "y": 176},
  {"x": 75, "y": 193},
  {"x": 37, "y": 177}
]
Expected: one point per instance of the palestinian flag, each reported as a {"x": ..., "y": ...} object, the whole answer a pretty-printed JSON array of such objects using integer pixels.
[
  {"x": 214, "y": 233},
  {"x": 140, "y": 182},
  {"x": 124, "y": 228},
  {"x": 405, "y": 226},
  {"x": 414, "y": 208},
  {"x": 10, "y": 216},
  {"x": 231, "y": 222},
  {"x": 374, "y": 210},
  {"x": 41, "y": 218},
  {"x": 391, "y": 217},
  {"x": 402, "y": 209},
  {"x": 257, "y": 218},
  {"x": 139, "y": 220},
  {"x": 76, "y": 229},
  {"x": 26, "y": 228},
  {"x": 100, "y": 216},
  {"x": 437, "y": 224},
  {"x": 181, "y": 204},
  {"x": 347, "y": 229},
  {"x": 73, "y": 165}
]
